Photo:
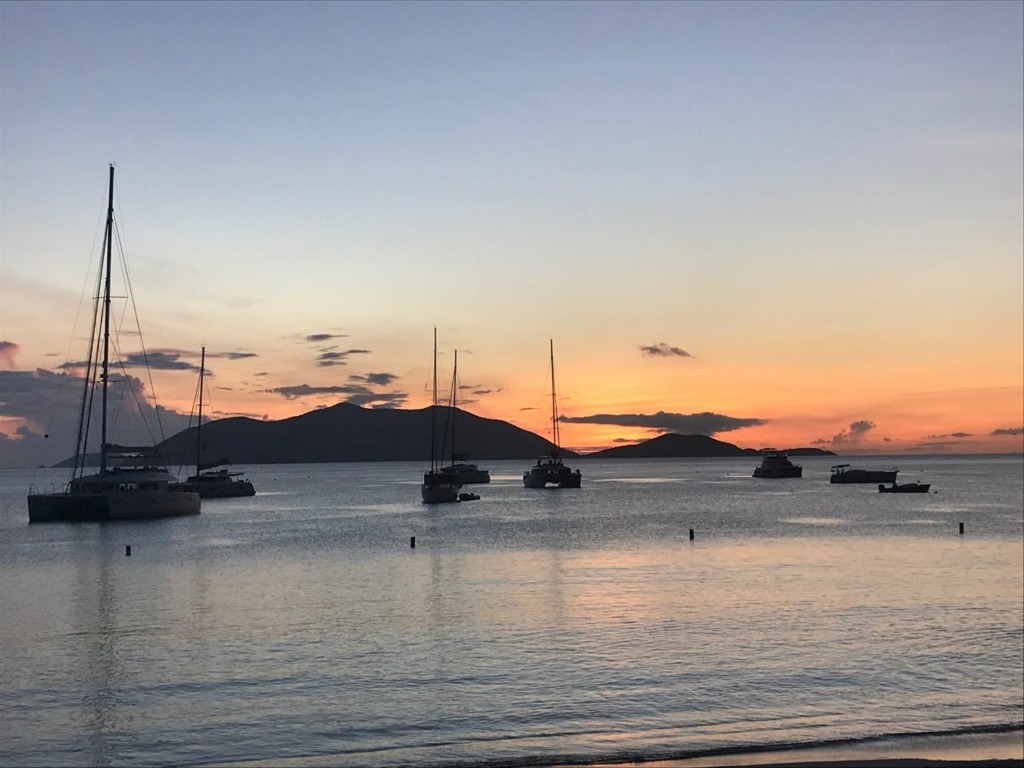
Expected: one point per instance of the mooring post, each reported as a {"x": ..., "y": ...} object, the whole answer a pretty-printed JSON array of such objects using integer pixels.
[
  {"x": 412, "y": 542},
  {"x": 691, "y": 534},
  {"x": 127, "y": 550},
  {"x": 961, "y": 529}
]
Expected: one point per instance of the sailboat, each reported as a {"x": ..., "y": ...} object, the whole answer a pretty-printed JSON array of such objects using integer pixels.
[
  {"x": 438, "y": 487},
  {"x": 209, "y": 481},
  {"x": 132, "y": 483},
  {"x": 549, "y": 469},
  {"x": 460, "y": 469}
]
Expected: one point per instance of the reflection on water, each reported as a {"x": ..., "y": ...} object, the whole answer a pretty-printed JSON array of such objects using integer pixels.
[{"x": 302, "y": 626}]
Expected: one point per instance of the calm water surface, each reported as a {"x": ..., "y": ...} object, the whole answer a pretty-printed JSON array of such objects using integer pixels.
[{"x": 300, "y": 628}]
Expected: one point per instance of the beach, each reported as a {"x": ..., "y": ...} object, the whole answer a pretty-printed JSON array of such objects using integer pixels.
[{"x": 988, "y": 750}]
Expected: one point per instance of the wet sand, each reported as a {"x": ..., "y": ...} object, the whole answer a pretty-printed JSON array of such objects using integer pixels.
[{"x": 990, "y": 750}]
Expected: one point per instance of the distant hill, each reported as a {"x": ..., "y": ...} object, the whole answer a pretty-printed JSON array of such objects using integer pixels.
[
  {"x": 673, "y": 446},
  {"x": 347, "y": 432}
]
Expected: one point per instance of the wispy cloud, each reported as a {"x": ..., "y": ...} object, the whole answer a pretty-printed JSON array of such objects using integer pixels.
[
  {"x": 327, "y": 359},
  {"x": 356, "y": 394},
  {"x": 661, "y": 349},
  {"x": 687, "y": 424},
  {"x": 317, "y": 338},
  {"x": 1012, "y": 431},
  {"x": 232, "y": 355}
]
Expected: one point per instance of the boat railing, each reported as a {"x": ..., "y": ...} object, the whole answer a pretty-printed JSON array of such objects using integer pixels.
[{"x": 42, "y": 489}]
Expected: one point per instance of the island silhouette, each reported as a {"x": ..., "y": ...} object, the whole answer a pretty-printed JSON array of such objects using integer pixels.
[{"x": 346, "y": 433}]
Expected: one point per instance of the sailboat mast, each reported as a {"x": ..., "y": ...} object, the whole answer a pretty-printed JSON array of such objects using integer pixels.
[
  {"x": 199, "y": 424},
  {"x": 433, "y": 411},
  {"x": 554, "y": 407},
  {"x": 453, "y": 409},
  {"x": 105, "y": 374}
]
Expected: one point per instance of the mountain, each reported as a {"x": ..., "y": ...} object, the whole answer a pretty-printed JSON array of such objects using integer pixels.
[
  {"x": 347, "y": 432},
  {"x": 673, "y": 446}
]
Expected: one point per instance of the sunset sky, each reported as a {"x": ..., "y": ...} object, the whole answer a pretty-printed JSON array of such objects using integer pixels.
[{"x": 780, "y": 224}]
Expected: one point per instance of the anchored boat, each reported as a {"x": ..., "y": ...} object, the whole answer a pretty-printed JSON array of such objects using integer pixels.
[
  {"x": 550, "y": 470},
  {"x": 132, "y": 483}
]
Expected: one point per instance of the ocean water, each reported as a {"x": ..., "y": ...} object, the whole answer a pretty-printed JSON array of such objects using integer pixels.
[{"x": 301, "y": 628}]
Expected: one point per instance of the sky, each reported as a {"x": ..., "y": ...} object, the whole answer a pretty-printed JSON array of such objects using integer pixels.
[{"x": 780, "y": 224}]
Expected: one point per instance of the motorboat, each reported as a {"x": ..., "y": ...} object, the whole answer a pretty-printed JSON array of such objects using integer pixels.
[
  {"x": 844, "y": 473},
  {"x": 775, "y": 464},
  {"x": 132, "y": 483},
  {"x": 550, "y": 470},
  {"x": 914, "y": 487}
]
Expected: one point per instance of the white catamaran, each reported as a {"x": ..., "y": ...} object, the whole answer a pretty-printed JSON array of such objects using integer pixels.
[{"x": 132, "y": 483}]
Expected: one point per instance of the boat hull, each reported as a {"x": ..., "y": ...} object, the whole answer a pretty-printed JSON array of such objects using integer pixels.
[
  {"x": 439, "y": 494},
  {"x": 864, "y": 476},
  {"x": 552, "y": 475},
  {"x": 438, "y": 489},
  {"x": 219, "y": 490},
  {"x": 109, "y": 506},
  {"x": 776, "y": 473},
  {"x": 905, "y": 488},
  {"x": 468, "y": 477}
]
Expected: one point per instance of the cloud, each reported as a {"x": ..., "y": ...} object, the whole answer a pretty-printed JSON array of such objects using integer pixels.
[
  {"x": 45, "y": 407},
  {"x": 232, "y": 355},
  {"x": 1012, "y": 431},
  {"x": 159, "y": 360},
  {"x": 661, "y": 349},
  {"x": 935, "y": 446},
  {"x": 327, "y": 359},
  {"x": 854, "y": 433},
  {"x": 687, "y": 424},
  {"x": 957, "y": 435},
  {"x": 319, "y": 337},
  {"x": 378, "y": 379},
  {"x": 8, "y": 350},
  {"x": 356, "y": 394}
]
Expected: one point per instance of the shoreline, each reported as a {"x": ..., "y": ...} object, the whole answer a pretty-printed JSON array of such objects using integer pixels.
[{"x": 1004, "y": 749}]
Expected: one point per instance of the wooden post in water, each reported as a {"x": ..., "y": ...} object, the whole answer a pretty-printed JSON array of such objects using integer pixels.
[
  {"x": 127, "y": 550},
  {"x": 412, "y": 542},
  {"x": 691, "y": 534},
  {"x": 961, "y": 529}
]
